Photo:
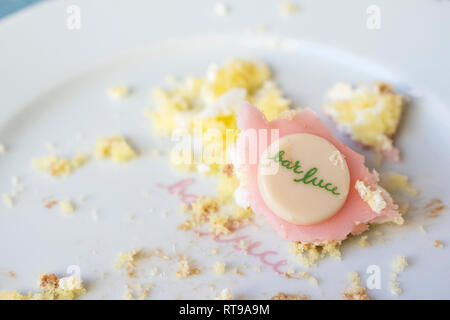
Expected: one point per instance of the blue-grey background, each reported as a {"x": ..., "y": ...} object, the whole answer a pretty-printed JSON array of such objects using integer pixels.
[{"x": 10, "y": 6}]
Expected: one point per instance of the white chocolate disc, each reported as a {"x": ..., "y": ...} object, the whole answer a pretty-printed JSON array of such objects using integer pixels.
[{"x": 303, "y": 178}]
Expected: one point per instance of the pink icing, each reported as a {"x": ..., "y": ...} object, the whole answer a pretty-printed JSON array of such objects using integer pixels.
[
  {"x": 181, "y": 189},
  {"x": 354, "y": 214}
]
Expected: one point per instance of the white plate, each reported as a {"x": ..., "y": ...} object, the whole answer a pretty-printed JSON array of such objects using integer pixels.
[{"x": 54, "y": 90}]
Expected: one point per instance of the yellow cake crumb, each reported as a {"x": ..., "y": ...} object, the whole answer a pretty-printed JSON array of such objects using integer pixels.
[
  {"x": 395, "y": 181},
  {"x": 363, "y": 242},
  {"x": 66, "y": 206},
  {"x": 116, "y": 148},
  {"x": 227, "y": 184},
  {"x": 8, "y": 201},
  {"x": 394, "y": 287},
  {"x": 119, "y": 91},
  {"x": 200, "y": 212},
  {"x": 137, "y": 291},
  {"x": 2, "y": 148},
  {"x": 434, "y": 208},
  {"x": 125, "y": 259},
  {"x": 127, "y": 295},
  {"x": 60, "y": 167},
  {"x": 291, "y": 274},
  {"x": 399, "y": 264},
  {"x": 50, "y": 288},
  {"x": 269, "y": 99},
  {"x": 355, "y": 291},
  {"x": 219, "y": 224},
  {"x": 438, "y": 244},
  {"x": 288, "y": 9},
  {"x": 219, "y": 267},
  {"x": 310, "y": 253},
  {"x": 369, "y": 113},
  {"x": 185, "y": 270},
  {"x": 225, "y": 294},
  {"x": 198, "y": 105},
  {"x": 403, "y": 208},
  {"x": 284, "y": 296},
  {"x": 128, "y": 261},
  {"x": 240, "y": 213}
]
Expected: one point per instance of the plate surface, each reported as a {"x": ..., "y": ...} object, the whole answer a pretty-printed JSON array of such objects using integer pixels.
[{"x": 58, "y": 94}]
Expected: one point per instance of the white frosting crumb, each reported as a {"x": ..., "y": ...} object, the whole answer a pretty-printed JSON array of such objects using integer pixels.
[
  {"x": 203, "y": 168},
  {"x": 229, "y": 103},
  {"x": 241, "y": 196},
  {"x": 374, "y": 198},
  {"x": 221, "y": 9}
]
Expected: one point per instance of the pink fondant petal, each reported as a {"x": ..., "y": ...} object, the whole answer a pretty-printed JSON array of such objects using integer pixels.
[{"x": 354, "y": 214}]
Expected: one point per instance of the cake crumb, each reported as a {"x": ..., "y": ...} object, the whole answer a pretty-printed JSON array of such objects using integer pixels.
[
  {"x": 243, "y": 245},
  {"x": 355, "y": 291},
  {"x": 8, "y": 201},
  {"x": 422, "y": 229},
  {"x": 373, "y": 197},
  {"x": 185, "y": 269},
  {"x": 58, "y": 166},
  {"x": 219, "y": 267},
  {"x": 284, "y": 296},
  {"x": 288, "y": 9},
  {"x": 399, "y": 264},
  {"x": 137, "y": 291},
  {"x": 310, "y": 253},
  {"x": 438, "y": 244},
  {"x": 434, "y": 208},
  {"x": 228, "y": 170},
  {"x": 119, "y": 92},
  {"x": 395, "y": 181},
  {"x": 394, "y": 287},
  {"x": 154, "y": 271},
  {"x": 128, "y": 261},
  {"x": 291, "y": 274},
  {"x": 370, "y": 113},
  {"x": 66, "y": 206},
  {"x": 117, "y": 148},
  {"x": 200, "y": 211},
  {"x": 221, "y": 9},
  {"x": 225, "y": 294},
  {"x": 363, "y": 242},
  {"x": 51, "y": 204},
  {"x": 50, "y": 288},
  {"x": 219, "y": 224},
  {"x": 2, "y": 148}
]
